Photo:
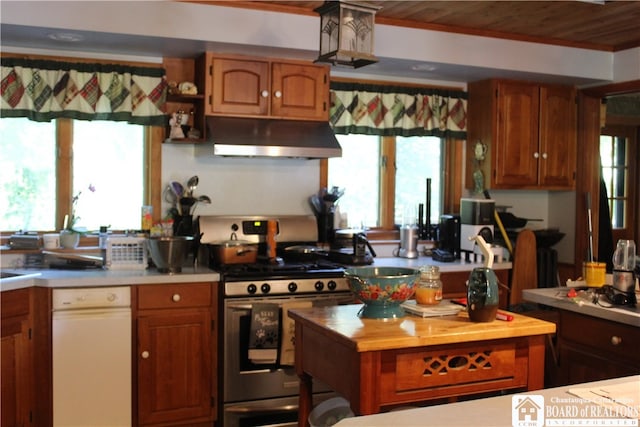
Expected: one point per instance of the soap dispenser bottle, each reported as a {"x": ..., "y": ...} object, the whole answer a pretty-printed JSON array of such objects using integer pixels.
[{"x": 482, "y": 287}]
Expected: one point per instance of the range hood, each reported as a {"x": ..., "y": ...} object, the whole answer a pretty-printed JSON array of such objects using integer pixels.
[{"x": 231, "y": 136}]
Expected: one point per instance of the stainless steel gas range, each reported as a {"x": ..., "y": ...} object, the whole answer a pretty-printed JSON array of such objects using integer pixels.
[{"x": 265, "y": 392}]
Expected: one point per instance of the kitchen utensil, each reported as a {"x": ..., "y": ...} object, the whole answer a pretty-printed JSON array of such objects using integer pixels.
[
  {"x": 192, "y": 183},
  {"x": 303, "y": 253},
  {"x": 234, "y": 251},
  {"x": 382, "y": 289},
  {"x": 201, "y": 199},
  {"x": 177, "y": 189},
  {"x": 169, "y": 195},
  {"x": 589, "y": 228},
  {"x": 169, "y": 253},
  {"x": 509, "y": 220}
]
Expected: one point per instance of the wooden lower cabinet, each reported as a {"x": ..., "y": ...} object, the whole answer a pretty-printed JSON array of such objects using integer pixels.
[
  {"x": 25, "y": 371},
  {"x": 175, "y": 358},
  {"x": 592, "y": 349}
]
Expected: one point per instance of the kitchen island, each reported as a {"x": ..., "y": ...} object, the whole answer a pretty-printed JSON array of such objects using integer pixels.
[{"x": 378, "y": 364}]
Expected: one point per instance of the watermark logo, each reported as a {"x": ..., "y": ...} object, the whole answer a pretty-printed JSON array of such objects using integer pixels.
[
  {"x": 527, "y": 410},
  {"x": 531, "y": 410}
]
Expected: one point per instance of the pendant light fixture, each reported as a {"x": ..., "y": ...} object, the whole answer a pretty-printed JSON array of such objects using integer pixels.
[{"x": 346, "y": 33}]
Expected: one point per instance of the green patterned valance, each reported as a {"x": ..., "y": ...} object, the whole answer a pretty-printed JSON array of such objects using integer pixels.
[
  {"x": 397, "y": 111},
  {"x": 43, "y": 90}
]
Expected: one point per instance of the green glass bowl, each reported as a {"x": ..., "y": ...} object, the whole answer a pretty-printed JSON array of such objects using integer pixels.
[{"x": 382, "y": 289}]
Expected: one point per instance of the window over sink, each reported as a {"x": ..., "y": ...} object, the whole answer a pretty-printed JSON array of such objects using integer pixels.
[
  {"x": 370, "y": 163},
  {"x": 39, "y": 157}
]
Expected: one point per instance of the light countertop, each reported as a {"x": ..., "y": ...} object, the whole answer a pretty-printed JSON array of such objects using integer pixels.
[
  {"x": 557, "y": 298},
  {"x": 98, "y": 277},
  {"x": 53, "y": 278},
  {"x": 556, "y": 407},
  {"x": 445, "y": 267}
]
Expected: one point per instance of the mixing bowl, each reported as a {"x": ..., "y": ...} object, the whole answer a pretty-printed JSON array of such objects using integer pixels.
[
  {"x": 169, "y": 253},
  {"x": 382, "y": 289}
]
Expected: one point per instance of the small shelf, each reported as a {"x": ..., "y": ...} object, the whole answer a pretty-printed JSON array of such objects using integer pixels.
[{"x": 178, "y": 97}]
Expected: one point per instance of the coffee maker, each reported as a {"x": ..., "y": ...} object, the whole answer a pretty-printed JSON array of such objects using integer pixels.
[{"x": 476, "y": 218}]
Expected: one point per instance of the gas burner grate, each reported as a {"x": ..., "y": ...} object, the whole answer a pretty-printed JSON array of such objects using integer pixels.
[{"x": 289, "y": 269}]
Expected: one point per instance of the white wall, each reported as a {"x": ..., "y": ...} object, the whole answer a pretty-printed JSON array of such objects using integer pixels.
[{"x": 243, "y": 186}]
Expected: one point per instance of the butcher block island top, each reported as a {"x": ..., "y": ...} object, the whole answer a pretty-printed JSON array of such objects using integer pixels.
[
  {"x": 378, "y": 364},
  {"x": 343, "y": 324}
]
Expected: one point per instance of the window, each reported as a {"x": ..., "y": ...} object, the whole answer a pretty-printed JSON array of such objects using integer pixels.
[
  {"x": 417, "y": 159},
  {"x": 107, "y": 155},
  {"x": 366, "y": 171},
  {"x": 27, "y": 175},
  {"x": 618, "y": 151}
]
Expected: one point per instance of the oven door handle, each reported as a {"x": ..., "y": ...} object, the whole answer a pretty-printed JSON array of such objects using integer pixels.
[
  {"x": 246, "y": 307},
  {"x": 239, "y": 409}
]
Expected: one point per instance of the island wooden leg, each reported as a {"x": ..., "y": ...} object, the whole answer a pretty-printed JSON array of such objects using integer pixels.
[
  {"x": 535, "y": 381},
  {"x": 305, "y": 400}
]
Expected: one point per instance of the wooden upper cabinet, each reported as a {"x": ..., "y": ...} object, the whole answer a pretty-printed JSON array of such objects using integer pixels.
[
  {"x": 530, "y": 133},
  {"x": 239, "y": 87},
  {"x": 265, "y": 88},
  {"x": 300, "y": 91},
  {"x": 516, "y": 139},
  {"x": 558, "y": 133}
]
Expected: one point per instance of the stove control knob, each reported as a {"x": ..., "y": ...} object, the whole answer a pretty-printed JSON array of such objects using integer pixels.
[
  {"x": 265, "y": 288},
  {"x": 319, "y": 285},
  {"x": 252, "y": 289},
  {"x": 293, "y": 286},
  {"x": 332, "y": 285}
]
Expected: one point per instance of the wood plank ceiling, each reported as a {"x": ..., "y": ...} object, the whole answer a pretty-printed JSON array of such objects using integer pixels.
[{"x": 590, "y": 24}]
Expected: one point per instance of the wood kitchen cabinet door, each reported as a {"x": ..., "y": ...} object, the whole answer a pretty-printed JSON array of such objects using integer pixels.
[
  {"x": 300, "y": 91},
  {"x": 16, "y": 372},
  {"x": 516, "y": 139},
  {"x": 174, "y": 369},
  {"x": 175, "y": 356},
  {"x": 239, "y": 86},
  {"x": 558, "y": 128}
]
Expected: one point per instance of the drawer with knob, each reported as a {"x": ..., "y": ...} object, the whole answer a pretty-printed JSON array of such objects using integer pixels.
[
  {"x": 169, "y": 296},
  {"x": 611, "y": 337}
]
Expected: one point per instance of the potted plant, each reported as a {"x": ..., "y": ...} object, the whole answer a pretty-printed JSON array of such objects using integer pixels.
[{"x": 69, "y": 235}]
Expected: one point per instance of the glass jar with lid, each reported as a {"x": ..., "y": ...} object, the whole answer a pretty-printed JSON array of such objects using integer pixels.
[{"x": 429, "y": 286}]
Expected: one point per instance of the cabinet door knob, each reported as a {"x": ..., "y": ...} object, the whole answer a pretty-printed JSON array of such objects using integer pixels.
[
  {"x": 616, "y": 340},
  {"x": 145, "y": 354},
  {"x": 544, "y": 155},
  {"x": 176, "y": 297},
  {"x": 536, "y": 155},
  {"x": 264, "y": 93},
  {"x": 278, "y": 94}
]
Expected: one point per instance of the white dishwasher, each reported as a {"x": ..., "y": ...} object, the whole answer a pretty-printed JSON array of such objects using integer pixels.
[{"x": 91, "y": 339}]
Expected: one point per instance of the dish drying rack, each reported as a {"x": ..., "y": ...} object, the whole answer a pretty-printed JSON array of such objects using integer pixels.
[{"x": 126, "y": 253}]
